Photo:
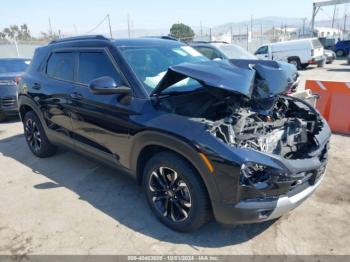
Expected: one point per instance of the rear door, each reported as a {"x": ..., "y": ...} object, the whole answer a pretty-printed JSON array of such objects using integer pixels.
[
  {"x": 317, "y": 48},
  {"x": 53, "y": 92},
  {"x": 100, "y": 122}
]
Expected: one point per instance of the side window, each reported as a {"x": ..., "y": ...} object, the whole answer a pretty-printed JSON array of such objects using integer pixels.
[
  {"x": 93, "y": 65},
  {"x": 61, "y": 66},
  {"x": 208, "y": 52},
  {"x": 262, "y": 50}
]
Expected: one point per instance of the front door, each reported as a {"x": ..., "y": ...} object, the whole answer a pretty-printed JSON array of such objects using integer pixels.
[{"x": 100, "y": 122}]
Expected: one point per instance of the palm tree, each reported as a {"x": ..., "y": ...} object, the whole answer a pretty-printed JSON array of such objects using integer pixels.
[{"x": 24, "y": 32}]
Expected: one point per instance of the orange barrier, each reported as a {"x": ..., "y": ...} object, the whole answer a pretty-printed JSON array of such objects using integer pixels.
[{"x": 334, "y": 103}]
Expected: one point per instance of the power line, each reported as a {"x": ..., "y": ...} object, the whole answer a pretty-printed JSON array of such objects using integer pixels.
[{"x": 98, "y": 25}]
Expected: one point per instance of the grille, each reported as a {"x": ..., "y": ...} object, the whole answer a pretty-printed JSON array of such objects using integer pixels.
[
  {"x": 6, "y": 82},
  {"x": 8, "y": 102}
]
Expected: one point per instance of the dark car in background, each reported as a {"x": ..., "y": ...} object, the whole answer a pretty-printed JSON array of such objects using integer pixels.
[
  {"x": 342, "y": 48},
  {"x": 202, "y": 137},
  {"x": 223, "y": 50},
  {"x": 10, "y": 71}
]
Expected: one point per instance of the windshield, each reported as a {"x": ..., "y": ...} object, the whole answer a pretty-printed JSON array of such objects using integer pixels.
[
  {"x": 235, "y": 52},
  {"x": 151, "y": 64},
  {"x": 13, "y": 66}
]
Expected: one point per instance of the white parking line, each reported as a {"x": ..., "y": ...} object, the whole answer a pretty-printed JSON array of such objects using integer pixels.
[{"x": 320, "y": 84}]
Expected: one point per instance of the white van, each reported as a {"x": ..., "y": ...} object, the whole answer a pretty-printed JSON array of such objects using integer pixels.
[{"x": 301, "y": 52}]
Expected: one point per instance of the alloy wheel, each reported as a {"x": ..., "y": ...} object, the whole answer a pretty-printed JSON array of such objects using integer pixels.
[
  {"x": 32, "y": 135},
  {"x": 170, "y": 194}
]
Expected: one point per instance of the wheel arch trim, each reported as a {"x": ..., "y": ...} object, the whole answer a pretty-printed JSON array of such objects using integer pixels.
[{"x": 169, "y": 142}]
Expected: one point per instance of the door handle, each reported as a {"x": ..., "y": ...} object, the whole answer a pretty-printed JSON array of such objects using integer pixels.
[
  {"x": 76, "y": 96},
  {"x": 36, "y": 86}
]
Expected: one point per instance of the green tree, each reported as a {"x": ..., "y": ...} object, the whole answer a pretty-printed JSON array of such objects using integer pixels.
[{"x": 182, "y": 31}]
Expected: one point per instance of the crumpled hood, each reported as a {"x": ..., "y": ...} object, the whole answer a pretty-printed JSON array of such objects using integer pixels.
[{"x": 237, "y": 76}]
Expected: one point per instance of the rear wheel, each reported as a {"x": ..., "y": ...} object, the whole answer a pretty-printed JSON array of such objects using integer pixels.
[
  {"x": 175, "y": 193},
  {"x": 340, "y": 53},
  {"x": 35, "y": 135},
  {"x": 295, "y": 61}
]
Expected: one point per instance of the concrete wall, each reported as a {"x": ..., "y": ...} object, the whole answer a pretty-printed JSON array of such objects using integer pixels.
[{"x": 24, "y": 50}]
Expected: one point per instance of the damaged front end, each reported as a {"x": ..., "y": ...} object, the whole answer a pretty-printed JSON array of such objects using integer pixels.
[{"x": 245, "y": 106}]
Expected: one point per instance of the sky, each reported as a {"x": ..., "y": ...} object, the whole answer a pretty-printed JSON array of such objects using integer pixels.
[{"x": 80, "y": 16}]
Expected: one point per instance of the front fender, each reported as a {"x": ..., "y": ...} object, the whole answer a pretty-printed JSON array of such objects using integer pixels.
[{"x": 178, "y": 145}]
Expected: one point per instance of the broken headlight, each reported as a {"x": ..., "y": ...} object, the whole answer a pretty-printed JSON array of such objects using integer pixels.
[{"x": 260, "y": 176}]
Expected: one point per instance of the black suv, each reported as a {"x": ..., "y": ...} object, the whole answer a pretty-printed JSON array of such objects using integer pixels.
[{"x": 202, "y": 137}]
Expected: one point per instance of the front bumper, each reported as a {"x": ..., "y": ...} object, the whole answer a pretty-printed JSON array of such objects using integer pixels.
[{"x": 260, "y": 210}]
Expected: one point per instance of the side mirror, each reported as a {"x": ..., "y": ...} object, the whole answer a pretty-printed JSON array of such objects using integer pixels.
[{"x": 107, "y": 86}]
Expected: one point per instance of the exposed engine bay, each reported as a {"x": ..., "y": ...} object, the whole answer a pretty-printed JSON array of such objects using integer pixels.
[{"x": 280, "y": 125}]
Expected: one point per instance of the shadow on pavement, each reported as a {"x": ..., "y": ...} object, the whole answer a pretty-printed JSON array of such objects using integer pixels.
[
  {"x": 118, "y": 196},
  {"x": 11, "y": 119},
  {"x": 339, "y": 70}
]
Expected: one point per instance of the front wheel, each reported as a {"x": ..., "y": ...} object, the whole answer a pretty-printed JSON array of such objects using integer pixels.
[
  {"x": 36, "y": 138},
  {"x": 175, "y": 192}
]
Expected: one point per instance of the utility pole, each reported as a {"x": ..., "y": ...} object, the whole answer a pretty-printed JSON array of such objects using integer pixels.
[
  {"x": 261, "y": 34},
  {"x": 334, "y": 12},
  {"x": 109, "y": 25},
  {"x": 304, "y": 22},
  {"x": 231, "y": 34},
  {"x": 201, "y": 28},
  {"x": 210, "y": 36},
  {"x": 247, "y": 37},
  {"x": 50, "y": 28},
  {"x": 75, "y": 29},
  {"x": 129, "y": 34},
  {"x": 345, "y": 18},
  {"x": 251, "y": 27}
]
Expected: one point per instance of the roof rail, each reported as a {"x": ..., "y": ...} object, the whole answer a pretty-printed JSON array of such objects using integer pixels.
[
  {"x": 199, "y": 42},
  {"x": 166, "y": 37},
  {"x": 86, "y": 37}
]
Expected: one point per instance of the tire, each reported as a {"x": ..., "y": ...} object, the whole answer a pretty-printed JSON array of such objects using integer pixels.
[
  {"x": 340, "y": 53},
  {"x": 2, "y": 117},
  {"x": 304, "y": 66},
  {"x": 183, "y": 206},
  {"x": 35, "y": 136},
  {"x": 295, "y": 61}
]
